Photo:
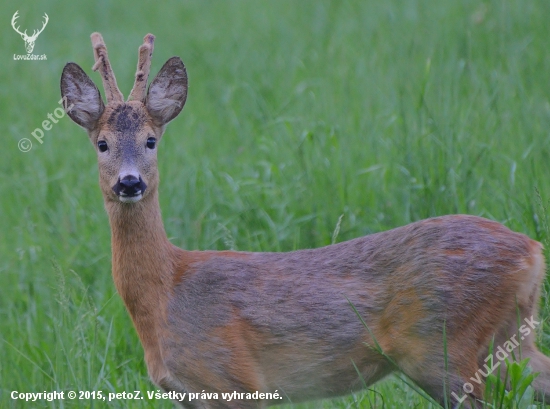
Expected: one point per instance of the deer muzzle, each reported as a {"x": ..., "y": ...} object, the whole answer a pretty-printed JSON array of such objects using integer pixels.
[{"x": 130, "y": 188}]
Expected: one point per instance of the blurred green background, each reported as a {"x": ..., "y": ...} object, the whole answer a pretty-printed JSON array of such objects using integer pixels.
[{"x": 299, "y": 114}]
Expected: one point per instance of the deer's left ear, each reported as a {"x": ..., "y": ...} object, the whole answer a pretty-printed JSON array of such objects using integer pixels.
[
  {"x": 168, "y": 92},
  {"x": 81, "y": 98}
]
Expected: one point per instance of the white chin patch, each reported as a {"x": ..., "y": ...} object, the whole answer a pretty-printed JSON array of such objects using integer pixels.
[{"x": 130, "y": 199}]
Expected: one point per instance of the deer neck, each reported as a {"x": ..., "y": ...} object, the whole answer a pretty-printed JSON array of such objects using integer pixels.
[{"x": 142, "y": 260}]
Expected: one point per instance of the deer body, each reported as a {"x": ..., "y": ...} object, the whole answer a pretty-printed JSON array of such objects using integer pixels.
[{"x": 288, "y": 322}]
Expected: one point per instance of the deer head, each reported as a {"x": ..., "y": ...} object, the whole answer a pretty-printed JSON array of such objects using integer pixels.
[
  {"x": 125, "y": 134},
  {"x": 29, "y": 40}
]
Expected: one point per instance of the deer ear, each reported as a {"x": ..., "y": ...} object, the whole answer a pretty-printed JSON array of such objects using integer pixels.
[
  {"x": 81, "y": 98},
  {"x": 168, "y": 92}
]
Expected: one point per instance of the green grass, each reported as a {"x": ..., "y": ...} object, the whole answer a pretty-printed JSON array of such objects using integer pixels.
[{"x": 299, "y": 113}]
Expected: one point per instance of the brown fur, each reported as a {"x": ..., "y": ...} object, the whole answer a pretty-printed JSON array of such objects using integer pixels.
[{"x": 245, "y": 322}]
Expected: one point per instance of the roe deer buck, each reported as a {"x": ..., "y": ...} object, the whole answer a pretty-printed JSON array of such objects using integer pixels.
[{"x": 237, "y": 321}]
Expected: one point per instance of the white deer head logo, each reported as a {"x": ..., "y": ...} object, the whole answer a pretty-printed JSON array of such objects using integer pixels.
[{"x": 29, "y": 40}]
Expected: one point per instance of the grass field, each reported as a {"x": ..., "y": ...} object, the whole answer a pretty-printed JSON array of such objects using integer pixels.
[{"x": 300, "y": 114}]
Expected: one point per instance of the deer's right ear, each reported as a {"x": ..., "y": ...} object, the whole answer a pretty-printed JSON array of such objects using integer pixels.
[{"x": 81, "y": 98}]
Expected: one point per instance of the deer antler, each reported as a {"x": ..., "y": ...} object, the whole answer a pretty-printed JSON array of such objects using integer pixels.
[
  {"x": 36, "y": 32},
  {"x": 112, "y": 93},
  {"x": 138, "y": 92},
  {"x": 15, "y": 17}
]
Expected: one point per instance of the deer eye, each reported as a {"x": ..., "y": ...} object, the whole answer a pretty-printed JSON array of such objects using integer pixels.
[
  {"x": 151, "y": 142},
  {"x": 102, "y": 146}
]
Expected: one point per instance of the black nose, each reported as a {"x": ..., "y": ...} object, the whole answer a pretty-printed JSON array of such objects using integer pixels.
[{"x": 129, "y": 186}]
